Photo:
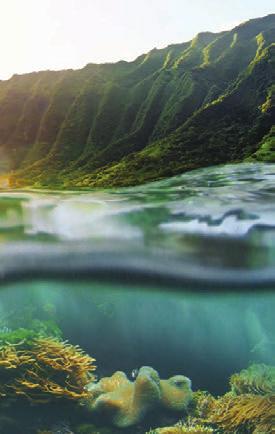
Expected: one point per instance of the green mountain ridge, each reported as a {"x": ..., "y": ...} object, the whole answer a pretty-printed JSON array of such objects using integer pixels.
[{"x": 207, "y": 101}]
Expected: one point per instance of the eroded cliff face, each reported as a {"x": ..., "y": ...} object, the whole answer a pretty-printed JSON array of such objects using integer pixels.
[{"x": 207, "y": 101}]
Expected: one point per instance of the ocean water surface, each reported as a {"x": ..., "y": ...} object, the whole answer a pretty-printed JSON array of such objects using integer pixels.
[{"x": 173, "y": 280}]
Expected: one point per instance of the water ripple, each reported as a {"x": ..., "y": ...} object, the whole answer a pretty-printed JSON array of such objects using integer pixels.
[{"x": 196, "y": 215}]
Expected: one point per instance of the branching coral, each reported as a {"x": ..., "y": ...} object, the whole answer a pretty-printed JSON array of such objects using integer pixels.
[
  {"x": 249, "y": 412},
  {"x": 10, "y": 358},
  {"x": 248, "y": 408},
  {"x": 63, "y": 357},
  {"x": 203, "y": 404},
  {"x": 48, "y": 369},
  {"x": 257, "y": 379}
]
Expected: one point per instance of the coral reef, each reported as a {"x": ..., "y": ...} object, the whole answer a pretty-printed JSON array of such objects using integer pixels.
[
  {"x": 126, "y": 403},
  {"x": 44, "y": 370},
  {"x": 203, "y": 404},
  {"x": 190, "y": 426},
  {"x": 248, "y": 408},
  {"x": 257, "y": 379},
  {"x": 244, "y": 413}
]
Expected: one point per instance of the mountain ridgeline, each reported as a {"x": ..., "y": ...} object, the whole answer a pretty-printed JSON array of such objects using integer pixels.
[{"x": 199, "y": 103}]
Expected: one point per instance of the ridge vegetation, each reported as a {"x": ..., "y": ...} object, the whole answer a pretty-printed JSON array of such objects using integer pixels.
[{"x": 203, "y": 102}]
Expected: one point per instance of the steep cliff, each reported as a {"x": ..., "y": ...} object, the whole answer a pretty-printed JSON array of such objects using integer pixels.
[{"x": 207, "y": 101}]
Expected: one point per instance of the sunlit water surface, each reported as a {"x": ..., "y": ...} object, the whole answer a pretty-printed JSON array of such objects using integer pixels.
[{"x": 200, "y": 215}]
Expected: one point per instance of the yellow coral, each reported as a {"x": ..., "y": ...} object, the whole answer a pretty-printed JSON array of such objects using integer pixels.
[
  {"x": 244, "y": 411},
  {"x": 10, "y": 358},
  {"x": 64, "y": 357},
  {"x": 258, "y": 379},
  {"x": 249, "y": 407},
  {"x": 204, "y": 404},
  {"x": 49, "y": 369}
]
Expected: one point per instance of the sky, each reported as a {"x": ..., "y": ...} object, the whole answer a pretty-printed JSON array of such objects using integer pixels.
[{"x": 59, "y": 34}]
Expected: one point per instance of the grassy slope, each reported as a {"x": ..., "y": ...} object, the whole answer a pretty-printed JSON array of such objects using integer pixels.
[{"x": 207, "y": 101}]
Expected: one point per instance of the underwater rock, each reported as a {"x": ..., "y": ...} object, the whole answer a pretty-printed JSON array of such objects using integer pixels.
[{"x": 127, "y": 402}]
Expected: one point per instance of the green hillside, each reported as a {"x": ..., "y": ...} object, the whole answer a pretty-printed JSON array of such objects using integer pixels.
[{"x": 204, "y": 102}]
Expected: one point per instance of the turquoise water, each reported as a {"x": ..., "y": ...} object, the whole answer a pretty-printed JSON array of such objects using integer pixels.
[
  {"x": 221, "y": 216},
  {"x": 176, "y": 276}
]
